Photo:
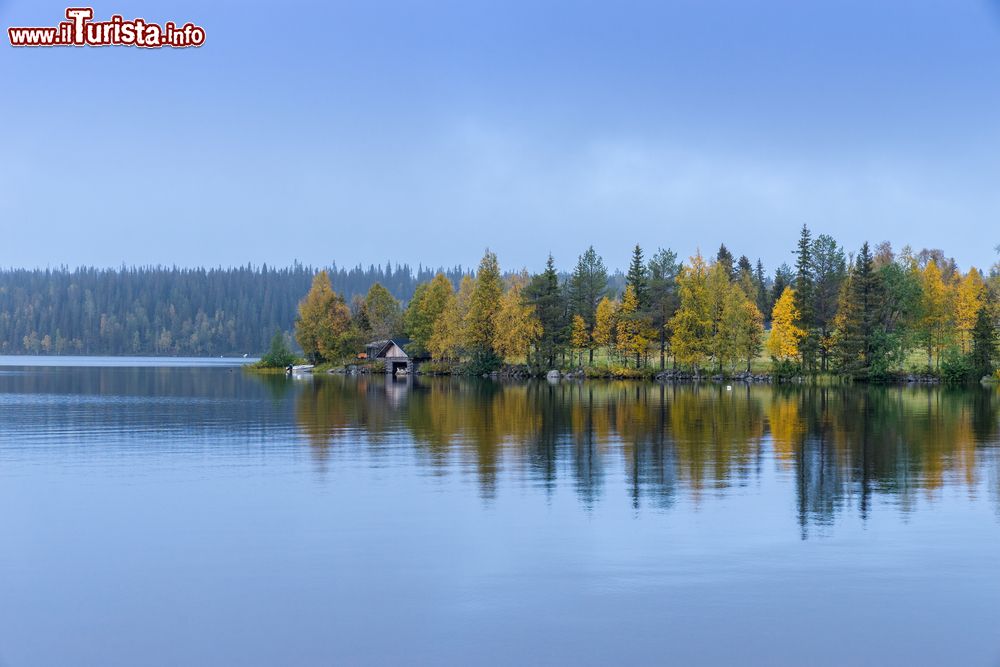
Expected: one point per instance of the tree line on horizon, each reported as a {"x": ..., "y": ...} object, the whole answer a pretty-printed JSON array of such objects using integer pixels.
[
  {"x": 866, "y": 315},
  {"x": 170, "y": 310}
]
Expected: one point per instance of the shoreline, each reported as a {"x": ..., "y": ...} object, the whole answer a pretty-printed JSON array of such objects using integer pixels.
[{"x": 521, "y": 372}]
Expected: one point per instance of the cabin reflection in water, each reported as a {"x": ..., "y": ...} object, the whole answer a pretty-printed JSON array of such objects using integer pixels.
[{"x": 844, "y": 447}]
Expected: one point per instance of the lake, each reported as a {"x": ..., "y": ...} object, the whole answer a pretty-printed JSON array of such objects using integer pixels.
[{"x": 170, "y": 512}]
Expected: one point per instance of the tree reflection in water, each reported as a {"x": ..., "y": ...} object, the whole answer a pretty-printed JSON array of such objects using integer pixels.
[{"x": 843, "y": 446}]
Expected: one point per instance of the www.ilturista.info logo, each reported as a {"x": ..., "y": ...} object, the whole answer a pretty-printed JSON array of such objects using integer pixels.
[{"x": 81, "y": 30}]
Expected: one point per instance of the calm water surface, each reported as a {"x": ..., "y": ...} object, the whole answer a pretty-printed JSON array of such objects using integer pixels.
[{"x": 187, "y": 513}]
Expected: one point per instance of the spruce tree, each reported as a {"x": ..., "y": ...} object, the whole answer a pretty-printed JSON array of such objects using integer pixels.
[
  {"x": 725, "y": 258},
  {"x": 587, "y": 286},
  {"x": 545, "y": 294},
  {"x": 663, "y": 271},
  {"x": 804, "y": 298},
  {"x": 859, "y": 350},
  {"x": 829, "y": 269},
  {"x": 783, "y": 277},
  {"x": 743, "y": 266},
  {"x": 638, "y": 279},
  {"x": 745, "y": 278},
  {"x": 763, "y": 301}
]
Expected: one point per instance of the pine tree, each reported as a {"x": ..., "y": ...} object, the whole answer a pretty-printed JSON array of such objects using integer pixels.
[
  {"x": 663, "y": 271},
  {"x": 743, "y": 268},
  {"x": 545, "y": 294},
  {"x": 638, "y": 279},
  {"x": 762, "y": 299},
  {"x": 745, "y": 278},
  {"x": 588, "y": 285},
  {"x": 804, "y": 298},
  {"x": 858, "y": 345},
  {"x": 829, "y": 270},
  {"x": 783, "y": 277},
  {"x": 725, "y": 258}
]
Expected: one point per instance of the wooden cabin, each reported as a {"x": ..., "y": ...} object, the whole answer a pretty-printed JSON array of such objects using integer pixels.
[{"x": 396, "y": 358}]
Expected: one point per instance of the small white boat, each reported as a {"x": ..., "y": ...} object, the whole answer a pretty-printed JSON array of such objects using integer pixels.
[{"x": 301, "y": 369}]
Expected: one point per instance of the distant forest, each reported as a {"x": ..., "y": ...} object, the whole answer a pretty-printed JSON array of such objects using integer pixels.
[{"x": 170, "y": 310}]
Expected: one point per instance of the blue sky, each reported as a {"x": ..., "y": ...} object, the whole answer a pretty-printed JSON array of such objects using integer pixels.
[{"x": 301, "y": 128}]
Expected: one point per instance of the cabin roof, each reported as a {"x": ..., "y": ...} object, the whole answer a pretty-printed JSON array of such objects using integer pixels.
[{"x": 380, "y": 347}]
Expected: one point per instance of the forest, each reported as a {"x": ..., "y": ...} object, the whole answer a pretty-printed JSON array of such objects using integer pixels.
[
  {"x": 873, "y": 313},
  {"x": 870, "y": 315},
  {"x": 168, "y": 310}
]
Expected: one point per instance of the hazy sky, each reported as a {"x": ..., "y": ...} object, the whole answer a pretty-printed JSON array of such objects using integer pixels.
[{"x": 302, "y": 130}]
